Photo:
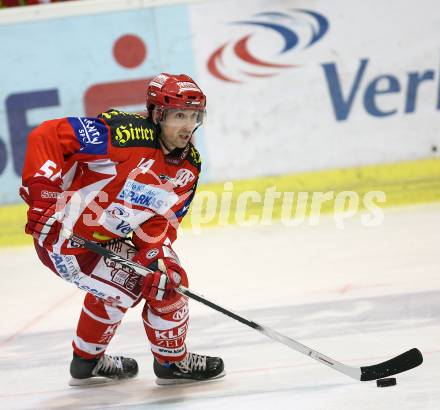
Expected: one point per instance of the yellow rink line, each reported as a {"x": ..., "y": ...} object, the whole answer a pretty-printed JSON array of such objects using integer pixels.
[{"x": 403, "y": 183}]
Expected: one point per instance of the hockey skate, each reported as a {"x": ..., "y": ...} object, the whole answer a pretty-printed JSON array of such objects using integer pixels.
[
  {"x": 193, "y": 368},
  {"x": 101, "y": 370}
]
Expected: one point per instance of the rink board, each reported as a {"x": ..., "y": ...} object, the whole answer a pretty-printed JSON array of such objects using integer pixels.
[{"x": 292, "y": 86}]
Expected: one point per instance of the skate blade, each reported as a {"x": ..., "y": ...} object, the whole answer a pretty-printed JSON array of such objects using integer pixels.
[
  {"x": 171, "y": 382},
  {"x": 94, "y": 381}
]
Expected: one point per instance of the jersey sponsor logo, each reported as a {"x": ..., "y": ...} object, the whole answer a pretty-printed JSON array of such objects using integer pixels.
[
  {"x": 91, "y": 133},
  {"x": 115, "y": 219},
  {"x": 172, "y": 333},
  {"x": 128, "y": 129},
  {"x": 119, "y": 219},
  {"x": 72, "y": 244},
  {"x": 132, "y": 136},
  {"x": 152, "y": 253},
  {"x": 131, "y": 282},
  {"x": 124, "y": 276},
  {"x": 147, "y": 196},
  {"x": 183, "y": 177},
  {"x": 117, "y": 211},
  {"x": 120, "y": 277},
  {"x": 66, "y": 265},
  {"x": 95, "y": 292},
  {"x": 181, "y": 313},
  {"x": 122, "y": 249}
]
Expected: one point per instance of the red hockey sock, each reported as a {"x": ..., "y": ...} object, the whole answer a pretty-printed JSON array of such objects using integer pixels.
[
  {"x": 166, "y": 326},
  {"x": 97, "y": 325}
]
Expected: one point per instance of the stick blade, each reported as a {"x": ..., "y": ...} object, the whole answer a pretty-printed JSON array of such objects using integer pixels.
[{"x": 406, "y": 361}]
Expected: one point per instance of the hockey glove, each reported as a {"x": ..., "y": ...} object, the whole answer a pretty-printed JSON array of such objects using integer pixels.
[
  {"x": 42, "y": 201},
  {"x": 168, "y": 273}
]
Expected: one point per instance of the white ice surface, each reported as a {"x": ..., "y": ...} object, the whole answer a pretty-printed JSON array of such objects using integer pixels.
[{"x": 359, "y": 295}]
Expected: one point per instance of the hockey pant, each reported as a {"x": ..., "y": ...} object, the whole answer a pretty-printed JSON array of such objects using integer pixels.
[{"x": 111, "y": 290}]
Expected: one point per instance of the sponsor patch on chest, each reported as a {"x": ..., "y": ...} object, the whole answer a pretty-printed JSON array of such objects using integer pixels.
[
  {"x": 147, "y": 196},
  {"x": 121, "y": 220},
  {"x": 183, "y": 177},
  {"x": 91, "y": 133},
  {"x": 66, "y": 265}
]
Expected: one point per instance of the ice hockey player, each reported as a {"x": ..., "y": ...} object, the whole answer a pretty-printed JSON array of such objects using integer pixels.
[{"x": 124, "y": 181}]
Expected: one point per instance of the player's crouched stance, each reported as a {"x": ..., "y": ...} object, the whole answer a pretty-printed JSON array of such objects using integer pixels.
[
  {"x": 159, "y": 291},
  {"x": 127, "y": 174}
]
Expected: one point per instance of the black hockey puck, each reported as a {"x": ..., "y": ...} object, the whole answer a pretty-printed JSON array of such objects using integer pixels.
[{"x": 390, "y": 381}]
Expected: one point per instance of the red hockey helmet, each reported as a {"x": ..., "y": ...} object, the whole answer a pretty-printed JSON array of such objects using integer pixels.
[{"x": 170, "y": 91}]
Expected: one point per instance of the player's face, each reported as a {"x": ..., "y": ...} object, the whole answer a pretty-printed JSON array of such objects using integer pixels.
[{"x": 178, "y": 125}]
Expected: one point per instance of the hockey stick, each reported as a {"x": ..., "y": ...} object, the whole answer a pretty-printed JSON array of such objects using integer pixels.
[{"x": 405, "y": 361}]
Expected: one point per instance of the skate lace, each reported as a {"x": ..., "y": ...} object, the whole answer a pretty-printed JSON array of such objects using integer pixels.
[
  {"x": 192, "y": 362},
  {"x": 108, "y": 365}
]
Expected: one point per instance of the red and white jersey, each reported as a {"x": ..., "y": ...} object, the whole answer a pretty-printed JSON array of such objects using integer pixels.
[{"x": 115, "y": 177}]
